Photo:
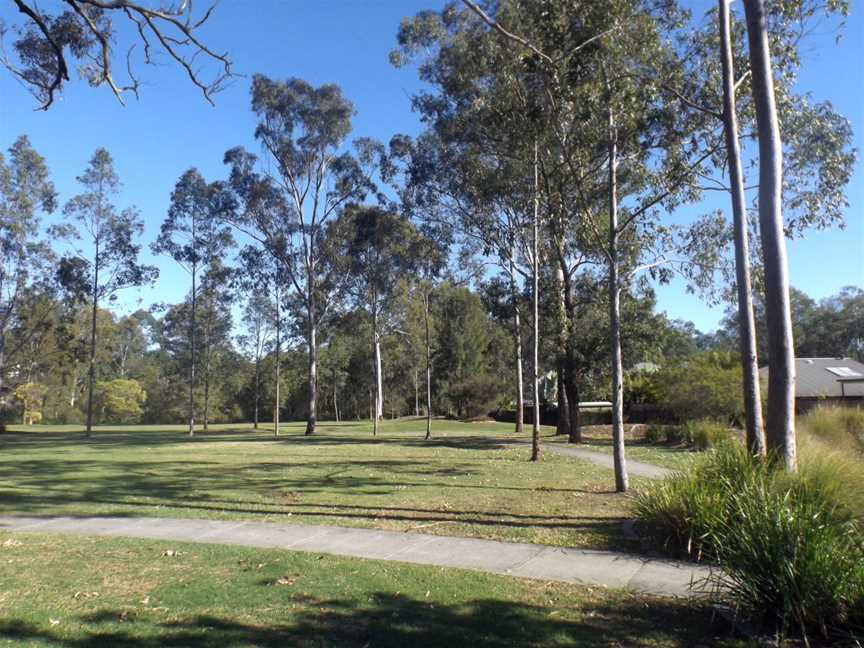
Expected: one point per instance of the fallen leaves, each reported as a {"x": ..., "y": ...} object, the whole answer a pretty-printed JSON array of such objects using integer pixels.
[
  {"x": 85, "y": 595},
  {"x": 12, "y": 542},
  {"x": 286, "y": 580},
  {"x": 171, "y": 553}
]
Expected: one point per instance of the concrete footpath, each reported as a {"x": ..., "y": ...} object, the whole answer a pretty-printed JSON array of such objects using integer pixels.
[
  {"x": 639, "y": 468},
  {"x": 603, "y": 568}
]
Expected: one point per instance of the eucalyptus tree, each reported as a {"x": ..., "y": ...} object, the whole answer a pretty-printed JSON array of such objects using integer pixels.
[
  {"x": 605, "y": 78},
  {"x": 477, "y": 165},
  {"x": 25, "y": 190},
  {"x": 192, "y": 234},
  {"x": 261, "y": 317},
  {"x": 374, "y": 247},
  {"x": 87, "y": 31},
  {"x": 816, "y": 143},
  {"x": 216, "y": 323},
  {"x": 112, "y": 261},
  {"x": 286, "y": 203},
  {"x": 780, "y": 424}
]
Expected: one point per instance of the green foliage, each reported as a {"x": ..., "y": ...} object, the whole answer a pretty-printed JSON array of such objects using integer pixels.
[
  {"x": 705, "y": 385},
  {"x": 790, "y": 551},
  {"x": 703, "y": 435},
  {"x": 31, "y": 396},
  {"x": 119, "y": 400}
]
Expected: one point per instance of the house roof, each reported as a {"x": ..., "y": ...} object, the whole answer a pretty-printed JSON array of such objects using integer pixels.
[{"x": 821, "y": 377}]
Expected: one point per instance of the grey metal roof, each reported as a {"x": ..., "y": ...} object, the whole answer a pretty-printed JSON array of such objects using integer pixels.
[{"x": 813, "y": 378}]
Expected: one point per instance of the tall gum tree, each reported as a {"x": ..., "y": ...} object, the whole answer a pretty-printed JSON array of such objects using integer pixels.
[
  {"x": 25, "y": 191},
  {"x": 374, "y": 248},
  {"x": 110, "y": 263},
  {"x": 191, "y": 234},
  {"x": 286, "y": 203}
]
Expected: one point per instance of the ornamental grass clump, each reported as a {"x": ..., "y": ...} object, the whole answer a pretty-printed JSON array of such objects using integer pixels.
[{"x": 788, "y": 547}]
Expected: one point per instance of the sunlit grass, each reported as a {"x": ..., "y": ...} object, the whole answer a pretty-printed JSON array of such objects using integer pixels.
[
  {"x": 76, "y": 591},
  {"x": 467, "y": 481}
]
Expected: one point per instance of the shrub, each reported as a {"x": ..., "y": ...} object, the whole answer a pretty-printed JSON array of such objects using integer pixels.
[
  {"x": 655, "y": 433},
  {"x": 703, "y": 435},
  {"x": 841, "y": 425},
  {"x": 791, "y": 552},
  {"x": 702, "y": 386}
]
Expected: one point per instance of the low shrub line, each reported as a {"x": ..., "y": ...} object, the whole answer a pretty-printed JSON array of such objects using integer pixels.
[{"x": 789, "y": 546}]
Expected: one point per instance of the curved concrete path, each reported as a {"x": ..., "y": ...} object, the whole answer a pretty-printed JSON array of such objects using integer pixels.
[
  {"x": 603, "y": 568},
  {"x": 639, "y": 468}
]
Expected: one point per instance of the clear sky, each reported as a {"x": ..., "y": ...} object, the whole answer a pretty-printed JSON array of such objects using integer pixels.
[{"x": 347, "y": 42}]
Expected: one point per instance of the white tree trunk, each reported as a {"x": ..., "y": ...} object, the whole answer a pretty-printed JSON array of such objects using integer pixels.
[
  {"x": 746, "y": 320},
  {"x": 619, "y": 456},
  {"x": 780, "y": 428},
  {"x": 517, "y": 340},
  {"x": 535, "y": 296}
]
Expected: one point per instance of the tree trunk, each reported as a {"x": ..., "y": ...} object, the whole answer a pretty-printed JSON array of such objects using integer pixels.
[
  {"x": 376, "y": 359},
  {"x": 313, "y": 370},
  {"x": 571, "y": 385},
  {"x": 780, "y": 428},
  {"x": 416, "y": 393},
  {"x": 92, "y": 370},
  {"x": 192, "y": 326},
  {"x": 620, "y": 460},
  {"x": 428, "y": 367},
  {"x": 257, "y": 386},
  {"x": 535, "y": 297},
  {"x": 335, "y": 401},
  {"x": 278, "y": 358},
  {"x": 206, "y": 414},
  {"x": 2, "y": 375},
  {"x": 517, "y": 339},
  {"x": 562, "y": 423},
  {"x": 746, "y": 320}
]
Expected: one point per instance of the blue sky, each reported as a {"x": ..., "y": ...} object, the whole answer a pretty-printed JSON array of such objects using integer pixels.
[{"x": 347, "y": 42}]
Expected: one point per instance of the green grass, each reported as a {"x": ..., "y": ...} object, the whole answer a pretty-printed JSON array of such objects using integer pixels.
[
  {"x": 465, "y": 482},
  {"x": 81, "y": 592},
  {"x": 598, "y": 438}
]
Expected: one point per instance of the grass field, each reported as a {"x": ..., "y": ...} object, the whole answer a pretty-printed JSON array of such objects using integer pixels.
[
  {"x": 81, "y": 592},
  {"x": 466, "y": 481}
]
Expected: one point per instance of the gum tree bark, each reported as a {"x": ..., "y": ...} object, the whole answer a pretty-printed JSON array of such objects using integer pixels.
[
  {"x": 517, "y": 340},
  {"x": 428, "y": 365},
  {"x": 192, "y": 325},
  {"x": 91, "y": 372},
  {"x": 313, "y": 370},
  {"x": 278, "y": 359},
  {"x": 746, "y": 320},
  {"x": 620, "y": 459},
  {"x": 780, "y": 428},
  {"x": 535, "y": 297},
  {"x": 563, "y": 419}
]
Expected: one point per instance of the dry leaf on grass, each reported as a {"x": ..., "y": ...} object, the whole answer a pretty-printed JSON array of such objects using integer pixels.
[
  {"x": 171, "y": 553},
  {"x": 85, "y": 595}
]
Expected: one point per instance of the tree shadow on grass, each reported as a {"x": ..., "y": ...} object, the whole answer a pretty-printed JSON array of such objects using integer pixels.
[{"x": 390, "y": 620}]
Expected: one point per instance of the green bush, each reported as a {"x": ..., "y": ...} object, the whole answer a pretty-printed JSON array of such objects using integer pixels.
[
  {"x": 699, "y": 386},
  {"x": 791, "y": 552},
  {"x": 655, "y": 433},
  {"x": 703, "y": 435}
]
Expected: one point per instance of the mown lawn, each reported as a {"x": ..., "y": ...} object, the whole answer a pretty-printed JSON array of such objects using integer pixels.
[
  {"x": 82, "y": 592},
  {"x": 466, "y": 481}
]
